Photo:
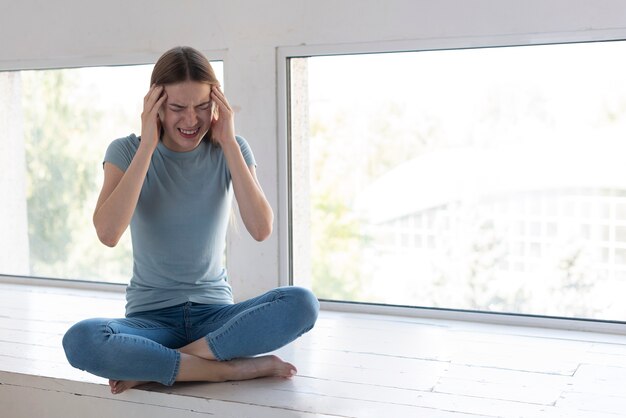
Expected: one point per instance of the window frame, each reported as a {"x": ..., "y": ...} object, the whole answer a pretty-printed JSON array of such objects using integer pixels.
[
  {"x": 144, "y": 58},
  {"x": 285, "y": 210}
]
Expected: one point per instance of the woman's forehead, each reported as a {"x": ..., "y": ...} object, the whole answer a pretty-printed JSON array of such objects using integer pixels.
[{"x": 188, "y": 92}]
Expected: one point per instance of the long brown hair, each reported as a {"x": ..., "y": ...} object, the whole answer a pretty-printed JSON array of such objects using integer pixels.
[{"x": 183, "y": 63}]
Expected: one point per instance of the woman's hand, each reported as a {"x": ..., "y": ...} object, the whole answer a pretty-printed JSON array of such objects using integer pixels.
[
  {"x": 120, "y": 190},
  {"x": 223, "y": 124},
  {"x": 254, "y": 208},
  {"x": 150, "y": 122}
]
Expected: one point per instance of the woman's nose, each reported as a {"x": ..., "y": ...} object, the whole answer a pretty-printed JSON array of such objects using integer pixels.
[{"x": 191, "y": 117}]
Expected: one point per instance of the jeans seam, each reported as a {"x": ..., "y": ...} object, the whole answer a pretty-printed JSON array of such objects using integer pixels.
[
  {"x": 172, "y": 379},
  {"x": 187, "y": 319},
  {"x": 214, "y": 349},
  {"x": 212, "y": 340},
  {"x": 115, "y": 321}
]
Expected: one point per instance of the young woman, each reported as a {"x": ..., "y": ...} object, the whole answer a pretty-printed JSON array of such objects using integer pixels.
[{"x": 173, "y": 186}]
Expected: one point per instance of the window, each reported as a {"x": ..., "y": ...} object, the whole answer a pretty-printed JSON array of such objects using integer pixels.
[
  {"x": 487, "y": 179},
  {"x": 57, "y": 125}
]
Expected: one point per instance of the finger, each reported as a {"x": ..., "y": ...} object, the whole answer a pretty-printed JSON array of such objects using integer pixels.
[
  {"x": 153, "y": 94},
  {"x": 145, "y": 98},
  {"x": 150, "y": 90},
  {"x": 160, "y": 101},
  {"x": 218, "y": 96},
  {"x": 153, "y": 107}
]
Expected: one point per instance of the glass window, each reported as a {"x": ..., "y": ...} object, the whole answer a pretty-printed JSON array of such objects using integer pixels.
[
  {"x": 514, "y": 153},
  {"x": 58, "y": 124}
]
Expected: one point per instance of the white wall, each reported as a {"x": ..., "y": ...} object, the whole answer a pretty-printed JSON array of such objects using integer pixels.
[
  {"x": 14, "y": 250},
  {"x": 36, "y": 34}
]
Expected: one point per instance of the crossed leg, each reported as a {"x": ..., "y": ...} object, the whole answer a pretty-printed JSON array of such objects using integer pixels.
[
  {"x": 197, "y": 363},
  {"x": 282, "y": 314}
]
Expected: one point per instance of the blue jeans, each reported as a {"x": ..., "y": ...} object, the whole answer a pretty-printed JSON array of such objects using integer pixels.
[{"x": 143, "y": 346}]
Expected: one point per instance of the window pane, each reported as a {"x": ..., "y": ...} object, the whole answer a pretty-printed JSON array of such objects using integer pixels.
[
  {"x": 59, "y": 124},
  {"x": 487, "y": 179}
]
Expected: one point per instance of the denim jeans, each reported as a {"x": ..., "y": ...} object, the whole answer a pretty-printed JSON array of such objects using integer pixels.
[{"x": 143, "y": 346}]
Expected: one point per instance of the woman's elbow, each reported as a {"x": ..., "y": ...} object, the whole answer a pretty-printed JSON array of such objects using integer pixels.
[
  {"x": 107, "y": 236},
  {"x": 108, "y": 239},
  {"x": 262, "y": 233}
]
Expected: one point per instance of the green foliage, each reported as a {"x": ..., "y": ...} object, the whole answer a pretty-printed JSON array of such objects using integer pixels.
[
  {"x": 336, "y": 254},
  {"x": 59, "y": 179},
  {"x": 340, "y": 267},
  {"x": 62, "y": 160},
  {"x": 337, "y": 265},
  {"x": 391, "y": 142}
]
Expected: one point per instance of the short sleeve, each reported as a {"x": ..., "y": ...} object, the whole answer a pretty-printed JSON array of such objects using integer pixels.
[
  {"x": 121, "y": 151},
  {"x": 246, "y": 151}
]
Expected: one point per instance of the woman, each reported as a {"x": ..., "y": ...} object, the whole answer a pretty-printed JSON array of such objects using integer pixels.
[{"x": 173, "y": 187}]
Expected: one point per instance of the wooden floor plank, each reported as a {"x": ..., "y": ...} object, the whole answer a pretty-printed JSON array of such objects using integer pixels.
[
  {"x": 608, "y": 380},
  {"x": 350, "y": 365},
  {"x": 53, "y": 397},
  {"x": 594, "y": 402},
  {"x": 325, "y": 397},
  {"x": 513, "y": 385}
]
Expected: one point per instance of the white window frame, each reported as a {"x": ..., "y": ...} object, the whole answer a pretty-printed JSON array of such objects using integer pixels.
[
  {"x": 101, "y": 61},
  {"x": 59, "y": 63},
  {"x": 284, "y": 198}
]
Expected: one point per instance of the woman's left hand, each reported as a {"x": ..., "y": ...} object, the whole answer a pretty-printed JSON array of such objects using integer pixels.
[
  {"x": 254, "y": 208},
  {"x": 223, "y": 124}
]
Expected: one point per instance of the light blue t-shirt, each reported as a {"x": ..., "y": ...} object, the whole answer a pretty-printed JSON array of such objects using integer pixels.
[{"x": 179, "y": 227}]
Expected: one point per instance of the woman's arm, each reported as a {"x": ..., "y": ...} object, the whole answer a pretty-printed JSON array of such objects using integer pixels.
[
  {"x": 120, "y": 190},
  {"x": 255, "y": 210}
]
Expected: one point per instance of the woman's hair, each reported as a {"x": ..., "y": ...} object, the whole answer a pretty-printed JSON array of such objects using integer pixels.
[
  {"x": 180, "y": 64},
  {"x": 183, "y": 63}
]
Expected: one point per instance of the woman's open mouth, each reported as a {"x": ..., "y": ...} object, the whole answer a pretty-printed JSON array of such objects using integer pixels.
[{"x": 188, "y": 133}]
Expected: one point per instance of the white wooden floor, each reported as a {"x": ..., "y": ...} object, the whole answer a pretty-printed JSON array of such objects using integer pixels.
[{"x": 350, "y": 365}]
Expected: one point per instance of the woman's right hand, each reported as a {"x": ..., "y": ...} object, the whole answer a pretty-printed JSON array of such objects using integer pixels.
[
  {"x": 121, "y": 189},
  {"x": 150, "y": 123}
]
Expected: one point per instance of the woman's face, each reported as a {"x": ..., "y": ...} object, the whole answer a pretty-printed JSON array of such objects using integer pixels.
[{"x": 186, "y": 115}]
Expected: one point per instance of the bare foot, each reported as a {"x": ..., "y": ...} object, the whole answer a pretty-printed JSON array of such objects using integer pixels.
[
  {"x": 119, "y": 386},
  {"x": 265, "y": 366},
  {"x": 198, "y": 369}
]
